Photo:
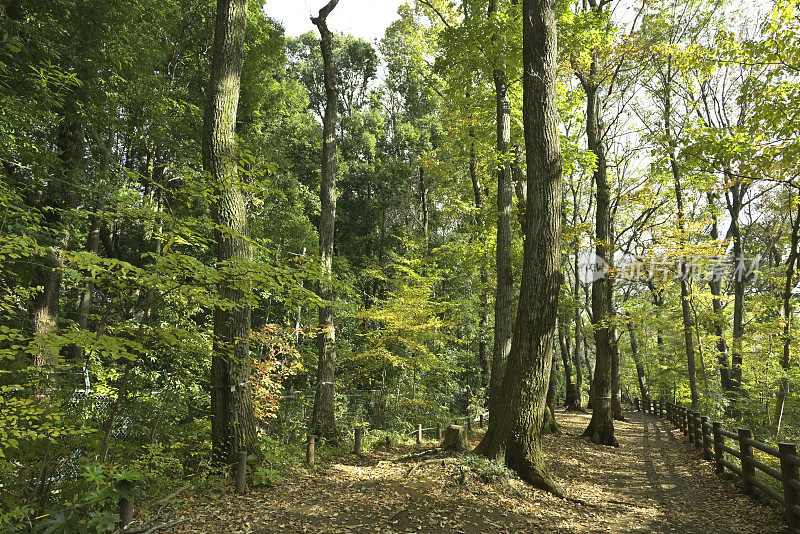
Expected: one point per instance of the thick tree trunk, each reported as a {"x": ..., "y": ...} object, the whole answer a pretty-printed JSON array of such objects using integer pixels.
[
  {"x": 233, "y": 424},
  {"x": 45, "y": 308},
  {"x": 601, "y": 426},
  {"x": 518, "y": 433},
  {"x": 504, "y": 296},
  {"x": 323, "y": 421},
  {"x": 783, "y": 385}
]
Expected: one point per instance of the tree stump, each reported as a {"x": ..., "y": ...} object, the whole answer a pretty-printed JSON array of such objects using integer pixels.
[{"x": 455, "y": 439}]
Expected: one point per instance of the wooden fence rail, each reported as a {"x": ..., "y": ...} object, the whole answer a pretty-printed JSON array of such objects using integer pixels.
[{"x": 712, "y": 439}]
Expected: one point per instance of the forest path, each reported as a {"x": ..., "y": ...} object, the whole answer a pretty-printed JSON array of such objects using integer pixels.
[{"x": 654, "y": 482}]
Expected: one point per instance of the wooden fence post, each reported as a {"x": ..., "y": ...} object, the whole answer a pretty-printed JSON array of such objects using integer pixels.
[
  {"x": 310, "y": 450},
  {"x": 719, "y": 441},
  {"x": 480, "y": 420},
  {"x": 636, "y": 404},
  {"x": 690, "y": 426},
  {"x": 790, "y": 477},
  {"x": 241, "y": 474},
  {"x": 685, "y": 420},
  {"x": 706, "y": 439},
  {"x": 358, "y": 439},
  {"x": 698, "y": 430},
  {"x": 748, "y": 469},
  {"x": 419, "y": 434},
  {"x": 469, "y": 424},
  {"x": 439, "y": 431}
]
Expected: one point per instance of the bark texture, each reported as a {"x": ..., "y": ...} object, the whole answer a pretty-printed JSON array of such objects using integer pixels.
[
  {"x": 601, "y": 426},
  {"x": 518, "y": 434},
  {"x": 323, "y": 422},
  {"x": 783, "y": 384},
  {"x": 233, "y": 424},
  {"x": 504, "y": 296}
]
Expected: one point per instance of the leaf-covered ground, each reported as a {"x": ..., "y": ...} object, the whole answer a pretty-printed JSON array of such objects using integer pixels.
[{"x": 654, "y": 482}]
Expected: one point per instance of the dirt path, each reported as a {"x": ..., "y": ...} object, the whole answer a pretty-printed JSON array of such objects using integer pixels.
[{"x": 655, "y": 482}]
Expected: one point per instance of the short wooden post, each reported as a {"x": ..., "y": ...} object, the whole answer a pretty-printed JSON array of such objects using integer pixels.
[
  {"x": 388, "y": 441},
  {"x": 748, "y": 469},
  {"x": 685, "y": 420},
  {"x": 419, "y": 434},
  {"x": 660, "y": 409},
  {"x": 358, "y": 439},
  {"x": 241, "y": 473},
  {"x": 438, "y": 431},
  {"x": 698, "y": 430},
  {"x": 310, "y": 450},
  {"x": 719, "y": 454},
  {"x": 790, "y": 477},
  {"x": 469, "y": 425},
  {"x": 690, "y": 425},
  {"x": 636, "y": 404},
  {"x": 480, "y": 420},
  {"x": 706, "y": 439},
  {"x": 125, "y": 503}
]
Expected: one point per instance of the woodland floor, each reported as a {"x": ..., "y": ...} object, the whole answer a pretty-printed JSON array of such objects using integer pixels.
[{"x": 654, "y": 482}]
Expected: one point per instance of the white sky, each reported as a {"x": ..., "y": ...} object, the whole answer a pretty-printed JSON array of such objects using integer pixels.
[{"x": 362, "y": 18}]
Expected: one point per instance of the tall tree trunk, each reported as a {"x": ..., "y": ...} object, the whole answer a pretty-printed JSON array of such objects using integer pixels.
[
  {"x": 601, "y": 426},
  {"x": 686, "y": 313},
  {"x": 485, "y": 305},
  {"x": 644, "y": 391},
  {"x": 735, "y": 202},
  {"x": 504, "y": 296},
  {"x": 571, "y": 399},
  {"x": 233, "y": 423},
  {"x": 85, "y": 303},
  {"x": 783, "y": 385},
  {"x": 715, "y": 284},
  {"x": 323, "y": 421},
  {"x": 518, "y": 433},
  {"x": 578, "y": 327},
  {"x": 616, "y": 384},
  {"x": 423, "y": 198},
  {"x": 549, "y": 423}
]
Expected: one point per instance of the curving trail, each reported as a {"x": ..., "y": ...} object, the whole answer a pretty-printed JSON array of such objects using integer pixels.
[{"x": 655, "y": 482}]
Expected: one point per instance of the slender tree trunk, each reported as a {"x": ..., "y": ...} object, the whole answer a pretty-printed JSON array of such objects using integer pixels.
[
  {"x": 233, "y": 423},
  {"x": 601, "y": 426},
  {"x": 549, "y": 423},
  {"x": 686, "y": 313},
  {"x": 715, "y": 284},
  {"x": 578, "y": 337},
  {"x": 423, "y": 197},
  {"x": 85, "y": 303},
  {"x": 571, "y": 400},
  {"x": 783, "y": 385},
  {"x": 739, "y": 283},
  {"x": 483, "y": 326},
  {"x": 518, "y": 434},
  {"x": 504, "y": 296},
  {"x": 644, "y": 391},
  {"x": 323, "y": 421}
]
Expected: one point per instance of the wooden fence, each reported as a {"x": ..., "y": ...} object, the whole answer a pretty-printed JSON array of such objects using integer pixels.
[{"x": 712, "y": 438}]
